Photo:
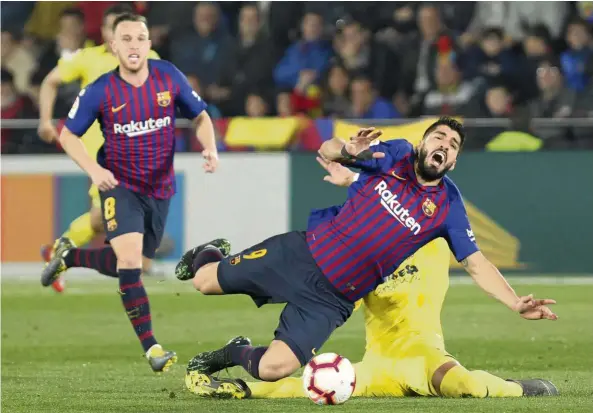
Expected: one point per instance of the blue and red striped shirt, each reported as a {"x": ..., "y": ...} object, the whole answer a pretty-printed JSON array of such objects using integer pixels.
[
  {"x": 138, "y": 124},
  {"x": 387, "y": 217}
]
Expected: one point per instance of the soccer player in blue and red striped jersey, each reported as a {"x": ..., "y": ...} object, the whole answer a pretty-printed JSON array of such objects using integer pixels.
[
  {"x": 400, "y": 201},
  {"x": 135, "y": 105}
]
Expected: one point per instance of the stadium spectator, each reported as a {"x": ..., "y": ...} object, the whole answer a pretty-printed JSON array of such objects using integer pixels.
[
  {"x": 203, "y": 50},
  {"x": 69, "y": 39},
  {"x": 491, "y": 59},
  {"x": 397, "y": 20},
  {"x": 93, "y": 17},
  {"x": 304, "y": 62},
  {"x": 282, "y": 23},
  {"x": 451, "y": 95},
  {"x": 336, "y": 103},
  {"x": 366, "y": 102},
  {"x": 15, "y": 14},
  {"x": 555, "y": 99},
  {"x": 165, "y": 20},
  {"x": 284, "y": 105},
  {"x": 43, "y": 21},
  {"x": 17, "y": 60},
  {"x": 15, "y": 106},
  {"x": 249, "y": 68},
  {"x": 302, "y": 67},
  {"x": 537, "y": 45},
  {"x": 419, "y": 59},
  {"x": 578, "y": 56},
  {"x": 256, "y": 106},
  {"x": 358, "y": 52}
]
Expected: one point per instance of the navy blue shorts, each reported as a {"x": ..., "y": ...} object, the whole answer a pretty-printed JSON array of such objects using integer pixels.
[
  {"x": 125, "y": 211},
  {"x": 281, "y": 269}
]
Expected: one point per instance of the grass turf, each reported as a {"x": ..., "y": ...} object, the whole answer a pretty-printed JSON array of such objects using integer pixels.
[{"x": 76, "y": 352}]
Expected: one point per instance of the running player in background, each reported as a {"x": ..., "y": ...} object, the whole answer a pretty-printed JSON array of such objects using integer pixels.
[
  {"x": 402, "y": 196},
  {"x": 85, "y": 66},
  {"x": 405, "y": 352},
  {"x": 135, "y": 106}
]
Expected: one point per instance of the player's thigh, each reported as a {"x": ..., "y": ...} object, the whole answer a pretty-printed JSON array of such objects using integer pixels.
[
  {"x": 123, "y": 221},
  {"x": 305, "y": 329},
  {"x": 257, "y": 271},
  {"x": 156, "y": 212}
]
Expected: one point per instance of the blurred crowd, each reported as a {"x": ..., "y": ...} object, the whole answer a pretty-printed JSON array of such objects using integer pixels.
[{"x": 348, "y": 60}]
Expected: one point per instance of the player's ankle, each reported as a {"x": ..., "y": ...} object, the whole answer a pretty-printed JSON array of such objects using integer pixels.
[{"x": 154, "y": 347}]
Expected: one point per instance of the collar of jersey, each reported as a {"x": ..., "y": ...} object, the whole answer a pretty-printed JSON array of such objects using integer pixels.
[{"x": 150, "y": 73}]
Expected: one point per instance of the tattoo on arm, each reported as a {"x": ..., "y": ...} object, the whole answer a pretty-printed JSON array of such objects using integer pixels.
[{"x": 464, "y": 262}]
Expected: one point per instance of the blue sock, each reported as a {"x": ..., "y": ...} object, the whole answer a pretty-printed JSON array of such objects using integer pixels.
[
  {"x": 248, "y": 357},
  {"x": 101, "y": 259},
  {"x": 137, "y": 307}
]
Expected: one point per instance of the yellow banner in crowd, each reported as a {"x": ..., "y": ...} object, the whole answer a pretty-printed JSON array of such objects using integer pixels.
[{"x": 261, "y": 133}]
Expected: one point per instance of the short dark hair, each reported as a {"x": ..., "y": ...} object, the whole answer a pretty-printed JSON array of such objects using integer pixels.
[
  {"x": 579, "y": 21},
  {"x": 73, "y": 12},
  {"x": 493, "y": 32},
  {"x": 451, "y": 123},
  {"x": 117, "y": 9},
  {"x": 129, "y": 17}
]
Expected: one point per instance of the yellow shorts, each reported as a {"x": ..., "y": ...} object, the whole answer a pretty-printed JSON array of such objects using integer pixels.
[{"x": 407, "y": 373}]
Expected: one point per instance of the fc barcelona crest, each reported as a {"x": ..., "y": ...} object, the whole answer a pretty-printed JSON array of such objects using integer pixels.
[
  {"x": 429, "y": 207},
  {"x": 163, "y": 98}
]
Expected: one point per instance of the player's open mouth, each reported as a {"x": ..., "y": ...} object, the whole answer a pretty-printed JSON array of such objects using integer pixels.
[
  {"x": 133, "y": 58},
  {"x": 438, "y": 158}
]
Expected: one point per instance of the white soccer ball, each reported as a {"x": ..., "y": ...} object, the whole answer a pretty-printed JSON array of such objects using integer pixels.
[{"x": 329, "y": 379}]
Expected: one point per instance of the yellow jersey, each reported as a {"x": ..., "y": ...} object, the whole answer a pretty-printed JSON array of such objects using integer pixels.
[
  {"x": 409, "y": 303},
  {"x": 87, "y": 65}
]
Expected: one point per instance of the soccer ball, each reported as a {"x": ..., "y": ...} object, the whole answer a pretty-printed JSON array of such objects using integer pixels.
[{"x": 329, "y": 379}]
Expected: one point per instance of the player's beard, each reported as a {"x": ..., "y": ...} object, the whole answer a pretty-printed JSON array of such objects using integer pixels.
[{"x": 428, "y": 172}]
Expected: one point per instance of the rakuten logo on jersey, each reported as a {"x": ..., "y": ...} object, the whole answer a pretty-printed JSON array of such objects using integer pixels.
[
  {"x": 142, "y": 128},
  {"x": 393, "y": 206}
]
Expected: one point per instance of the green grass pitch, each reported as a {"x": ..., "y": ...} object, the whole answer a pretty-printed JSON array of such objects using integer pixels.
[{"x": 76, "y": 352}]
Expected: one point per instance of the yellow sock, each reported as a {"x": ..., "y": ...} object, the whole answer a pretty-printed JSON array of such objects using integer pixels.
[
  {"x": 290, "y": 387},
  {"x": 81, "y": 231},
  {"x": 459, "y": 382},
  {"x": 498, "y": 387}
]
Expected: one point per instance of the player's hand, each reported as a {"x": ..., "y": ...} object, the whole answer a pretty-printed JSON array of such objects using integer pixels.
[
  {"x": 359, "y": 145},
  {"x": 338, "y": 175},
  {"x": 211, "y": 158},
  {"x": 47, "y": 131},
  {"x": 533, "y": 309},
  {"x": 104, "y": 179}
]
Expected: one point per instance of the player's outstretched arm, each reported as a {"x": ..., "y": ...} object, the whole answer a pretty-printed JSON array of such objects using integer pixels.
[
  {"x": 47, "y": 99},
  {"x": 488, "y": 278},
  {"x": 338, "y": 150},
  {"x": 338, "y": 175},
  {"x": 207, "y": 138}
]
